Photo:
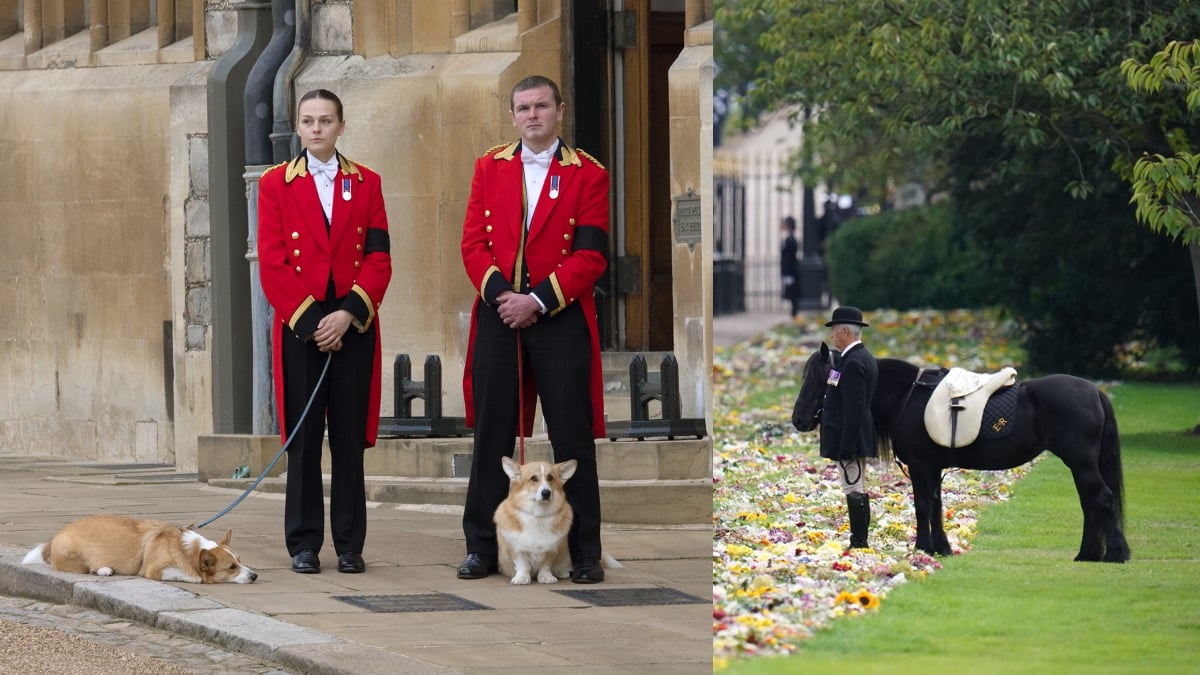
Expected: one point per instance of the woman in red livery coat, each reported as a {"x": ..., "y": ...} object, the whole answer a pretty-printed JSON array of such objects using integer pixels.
[
  {"x": 324, "y": 259},
  {"x": 535, "y": 240}
]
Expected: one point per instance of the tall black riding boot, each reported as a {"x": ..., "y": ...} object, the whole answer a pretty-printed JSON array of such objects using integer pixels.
[{"x": 859, "y": 506}]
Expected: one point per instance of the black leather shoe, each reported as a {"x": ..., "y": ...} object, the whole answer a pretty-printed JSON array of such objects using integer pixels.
[
  {"x": 351, "y": 563},
  {"x": 306, "y": 562},
  {"x": 588, "y": 571},
  {"x": 476, "y": 566}
]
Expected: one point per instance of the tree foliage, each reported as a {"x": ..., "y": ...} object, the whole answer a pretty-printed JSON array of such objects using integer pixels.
[
  {"x": 1022, "y": 112},
  {"x": 912, "y": 79},
  {"x": 1166, "y": 189}
]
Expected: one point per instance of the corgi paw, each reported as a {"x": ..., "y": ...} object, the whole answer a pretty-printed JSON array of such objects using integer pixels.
[
  {"x": 520, "y": 578},
  {"x": 104, "y": 572},
  {"x": 547, "y": 577}
]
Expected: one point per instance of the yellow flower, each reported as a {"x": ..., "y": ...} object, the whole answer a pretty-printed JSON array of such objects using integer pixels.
[
  {"x": 736, "y": 550},
  {"x": 867, "y": 599}
]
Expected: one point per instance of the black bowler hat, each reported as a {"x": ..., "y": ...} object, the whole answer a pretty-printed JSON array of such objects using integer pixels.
[{"x": 847, "y": 315}]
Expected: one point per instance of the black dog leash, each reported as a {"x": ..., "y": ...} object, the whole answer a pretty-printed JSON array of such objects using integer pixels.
[{"x": 270, "y": 466}]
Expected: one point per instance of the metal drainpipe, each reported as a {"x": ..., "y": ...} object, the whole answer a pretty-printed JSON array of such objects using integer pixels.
[
  {"x": 284, "y": 143},
  {"x": 231, "y": 361},
  {"x": 258, "y": 118}
]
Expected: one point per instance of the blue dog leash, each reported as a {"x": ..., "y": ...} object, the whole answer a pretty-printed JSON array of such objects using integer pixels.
[{"x": 270, "y": 466}]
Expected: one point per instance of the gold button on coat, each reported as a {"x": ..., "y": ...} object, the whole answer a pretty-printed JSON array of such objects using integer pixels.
[
  {"x": 360, "y": 230},
  {"x": 295, "y": 235},
  {"x": 571, "y": 221},
  {"x": 487, "y": 213},
  {"x": 297, "y": 269},
  {"x": 357, "y": 263},
  {"x": 296, "y": 253},
  {"x": 489, "y": 228},
  {"x": 564, "y": 251}
]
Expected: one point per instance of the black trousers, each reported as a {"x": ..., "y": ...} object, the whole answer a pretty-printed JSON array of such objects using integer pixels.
[
  {"x": 557, "y": 353},
  {"x": 342, "y": 400}
]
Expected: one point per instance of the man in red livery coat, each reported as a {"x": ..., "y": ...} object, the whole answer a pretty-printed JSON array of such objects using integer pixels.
[
  {"x": 324, "y": 259},
  {"x": 534, "y": 243}
]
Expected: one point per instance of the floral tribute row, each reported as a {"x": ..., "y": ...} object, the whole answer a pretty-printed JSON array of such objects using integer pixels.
[{"x": 781, "y": 569}]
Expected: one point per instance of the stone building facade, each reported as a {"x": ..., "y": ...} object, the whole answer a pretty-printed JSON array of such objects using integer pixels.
[{"x": 123, "y": 279}]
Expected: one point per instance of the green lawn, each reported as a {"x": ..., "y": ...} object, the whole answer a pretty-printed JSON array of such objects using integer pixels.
[{"x": 1017, "y": 603}]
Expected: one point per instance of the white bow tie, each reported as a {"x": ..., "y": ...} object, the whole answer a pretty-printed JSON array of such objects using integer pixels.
[
  {"x": 327, "y": 169},
  {"x": 541, "y": 159}
]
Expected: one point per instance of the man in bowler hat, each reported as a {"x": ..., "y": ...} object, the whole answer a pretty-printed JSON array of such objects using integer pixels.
[{"x": 847, "y": 426}]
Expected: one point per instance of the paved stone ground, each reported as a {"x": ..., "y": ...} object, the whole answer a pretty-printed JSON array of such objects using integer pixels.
[{"x": 46, "y": 639}]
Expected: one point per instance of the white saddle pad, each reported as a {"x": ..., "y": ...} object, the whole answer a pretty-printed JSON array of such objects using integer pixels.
[{"x": 970, "y": 391}]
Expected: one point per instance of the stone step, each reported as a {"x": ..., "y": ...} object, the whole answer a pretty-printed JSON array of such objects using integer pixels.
[
  {"x": 654, "y": 481},
  {"x": 682, "y": 459},
  {"x": 662, "y": 502}
]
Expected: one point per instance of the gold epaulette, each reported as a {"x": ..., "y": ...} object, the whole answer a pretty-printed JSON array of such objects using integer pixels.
[
  {"x": 270, "y": 169},
  {"x": 297, "y": 167},
  {"x": 594, "y": 160},
  {"x": 349, "y": 167},
  {"x": 503, "y": 151}
]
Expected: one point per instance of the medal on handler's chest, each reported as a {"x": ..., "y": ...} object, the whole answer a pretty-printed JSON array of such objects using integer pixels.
[
  {"x": 834, "y": 378},
  {"x": 554, "y": 187},
  {"x": 345, "y": 189}
]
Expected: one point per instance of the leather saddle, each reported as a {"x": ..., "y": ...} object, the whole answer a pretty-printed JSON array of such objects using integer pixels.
[{"x": 955, "y": 411}]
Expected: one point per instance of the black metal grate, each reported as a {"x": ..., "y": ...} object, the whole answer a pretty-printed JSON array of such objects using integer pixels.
[
  {"x": 626, "y": 597},
  {"x": 414, "y": 602}
]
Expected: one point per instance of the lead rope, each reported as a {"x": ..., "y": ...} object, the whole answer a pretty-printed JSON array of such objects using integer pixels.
[
  {"x": 291, "y": 437},
  {"x": 520, "y": 397}
]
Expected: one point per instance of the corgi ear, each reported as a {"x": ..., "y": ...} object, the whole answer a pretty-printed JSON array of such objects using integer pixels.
[
  {"x": 208, "y": 561},
  {"x": 510, "y": 467},
  {"x": 566, "y": 469},
  {"x": 225, "y": 540}
]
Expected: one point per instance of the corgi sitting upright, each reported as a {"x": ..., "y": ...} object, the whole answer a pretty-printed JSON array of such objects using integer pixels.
[
  {"x": 110, "y": 544},
  {"x": 532, "y": 522}
]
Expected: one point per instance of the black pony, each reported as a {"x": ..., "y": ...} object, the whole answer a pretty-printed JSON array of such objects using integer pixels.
[{"x": 1066, "y": 415}]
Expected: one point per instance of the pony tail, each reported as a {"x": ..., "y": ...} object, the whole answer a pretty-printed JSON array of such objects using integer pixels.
[
  {"x": 1110, "y": 459},
  {"x": 883, "y": 442}
]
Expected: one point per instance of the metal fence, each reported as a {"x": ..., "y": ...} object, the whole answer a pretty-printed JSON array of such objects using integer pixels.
[{"x": 754, "y": 191}]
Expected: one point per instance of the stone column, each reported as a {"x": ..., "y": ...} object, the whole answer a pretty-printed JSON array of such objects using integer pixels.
[{"x": 263, "y": 421}]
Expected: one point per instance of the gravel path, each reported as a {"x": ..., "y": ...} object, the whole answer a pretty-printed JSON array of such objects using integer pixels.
[{"x": 45, "y": 639}]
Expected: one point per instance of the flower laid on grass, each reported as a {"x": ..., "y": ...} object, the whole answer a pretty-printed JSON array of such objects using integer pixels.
[{"x": 781, "y": 569}]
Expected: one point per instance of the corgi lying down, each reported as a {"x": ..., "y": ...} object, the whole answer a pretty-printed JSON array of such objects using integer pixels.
[{"x": 109, "y": 544}]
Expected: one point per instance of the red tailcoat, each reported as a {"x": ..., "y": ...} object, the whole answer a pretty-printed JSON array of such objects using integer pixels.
[
  {"x": 297, "y": 255},
  {"x": 564, "y": 249}
]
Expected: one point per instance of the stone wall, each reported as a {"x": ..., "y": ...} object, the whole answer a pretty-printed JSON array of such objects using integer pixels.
[
  {"x": 105, "y": 278},
  {"x": 85, "y": 350}
]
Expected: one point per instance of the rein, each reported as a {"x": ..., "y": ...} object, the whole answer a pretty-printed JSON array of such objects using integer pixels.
[{"x": 908, "y": 395}]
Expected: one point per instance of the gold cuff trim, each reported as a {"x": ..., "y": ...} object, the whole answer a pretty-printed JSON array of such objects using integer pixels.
[
  {"x": 362, "y": 293},
  {"x": 486, "y": 277},
  {"x": 558, "y": 294},
  {"x": 308, "y": 302}
]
